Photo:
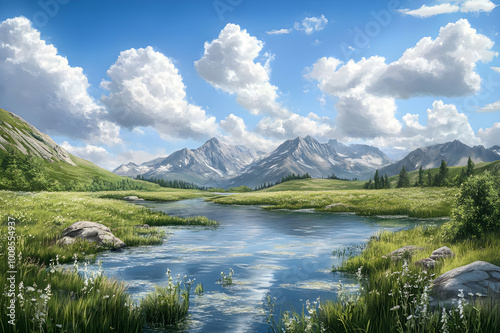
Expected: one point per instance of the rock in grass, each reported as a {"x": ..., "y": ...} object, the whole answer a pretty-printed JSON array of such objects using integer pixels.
[
  {"x": 427, "y": 263},
  {"x": 477, "y": 278},
  {"x": 132, "y": 198},
  {"x": 404, "y": 252},
  {"x": 92, "y": 232},
  {"x": 442, "y": 253},
  {"x": 142, "y": 226}
]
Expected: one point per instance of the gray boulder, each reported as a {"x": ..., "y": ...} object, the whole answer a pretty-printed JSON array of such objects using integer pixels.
[
  {"x": 132, "y": 198},
  {"x": 477, "y": 278},
  {"x": 442, "y": 253},
  {"x": 402, "y": 252},
  {"x": 92, "y": 232},
  {"x": 427, "y": 263}
]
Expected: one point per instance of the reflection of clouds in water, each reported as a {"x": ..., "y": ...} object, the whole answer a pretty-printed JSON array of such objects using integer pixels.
[
  {"x": 284, "y": 246},
  {"x": 276, "y": 253},
  {"x": 318, "y": 285},
  {"x": 269, "y": 266}
]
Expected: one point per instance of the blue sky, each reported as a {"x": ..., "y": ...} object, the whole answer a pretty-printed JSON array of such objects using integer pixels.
[{"x": 395, "y": 74}]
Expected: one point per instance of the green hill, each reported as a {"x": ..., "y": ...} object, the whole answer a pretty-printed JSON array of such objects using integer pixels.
[
  {"x": 316, "y": 184},
  {"x": 31, "y": 161}
]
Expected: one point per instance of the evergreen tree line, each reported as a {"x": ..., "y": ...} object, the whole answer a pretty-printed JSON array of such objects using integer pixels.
[
  {"x": 173, "y": 183},
  {"x": 284, "y": 179},
  {"x": 333, "y": 176},
  {"x": 378, "y": 182},
  {"x": 425, "y": 179}
]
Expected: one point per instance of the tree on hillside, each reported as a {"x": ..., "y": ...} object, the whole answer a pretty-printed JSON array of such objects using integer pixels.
[
  {"x": 470, "y": 168},
  {"x": 441, "y": 178},
  {"x": 404, "y": 179},
  {"x": 429, "y": 177},
  {"x": 376, "y": 180},
  {"x": 420, "y": 181},
  {"x": 386, "y": 182}
]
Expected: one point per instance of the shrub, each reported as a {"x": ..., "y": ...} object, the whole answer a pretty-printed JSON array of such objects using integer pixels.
[{"x": 477, "y": 208}]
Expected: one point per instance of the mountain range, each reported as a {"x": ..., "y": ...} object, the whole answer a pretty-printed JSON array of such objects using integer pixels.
[
  {"x": 218, "y": 164},
  {"x": 454, "y": 153},
  {"x": 222, "y": 165}
]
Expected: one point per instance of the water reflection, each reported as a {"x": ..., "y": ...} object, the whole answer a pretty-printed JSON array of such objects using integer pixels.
[{"x": 285, "y": 253}]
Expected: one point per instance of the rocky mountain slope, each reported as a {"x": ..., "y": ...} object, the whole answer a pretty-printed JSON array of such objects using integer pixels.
[
  {"x": 210, "y": 165},
  {"x": 21, "y": 135}
]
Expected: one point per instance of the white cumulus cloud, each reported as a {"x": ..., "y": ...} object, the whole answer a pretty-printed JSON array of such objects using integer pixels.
[
  {"x": 102, "y": 157},
  {"x": 146, "y": 89},
  {"x": 239, "y": 135},
  {"x": 230, "y": 64},
  {"x": 427, "y": 11},
  {"x": 367, "y": 89},
  {"x": 490, "y": 136},
  {"x": 311, "y": 24},
  {"x": 464, "y": 6},
  {"x": 444, "y": 66},
  {"x": 40, "y": 85},
  {"x": 279, "y": 32}
]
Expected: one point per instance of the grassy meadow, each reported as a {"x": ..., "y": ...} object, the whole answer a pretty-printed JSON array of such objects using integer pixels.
[
  {"x": 56, "y": 300},
  {"x": 414, "y": 202}
]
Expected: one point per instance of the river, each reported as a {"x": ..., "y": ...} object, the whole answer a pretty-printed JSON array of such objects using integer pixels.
[{"x": 285, "y": 253}]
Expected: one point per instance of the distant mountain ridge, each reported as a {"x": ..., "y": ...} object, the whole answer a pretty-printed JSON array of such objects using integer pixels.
[
  {"x": 454, "y": 153},
  {"x": 209, "y": 165},
  {"x": 219, "y": 164}
]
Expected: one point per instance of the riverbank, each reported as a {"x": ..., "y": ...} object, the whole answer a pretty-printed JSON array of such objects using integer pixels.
[
  {"x": 414, "y": 202},
  {"x": 53, "y": 300}
]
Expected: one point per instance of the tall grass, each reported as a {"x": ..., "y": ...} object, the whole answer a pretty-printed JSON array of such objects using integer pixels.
[
  {"x": 414, "y": 202},
  {"x": 167, "y": 305},
  {"x": 50, "y": 299},
  {"x": 395, "y": 296}
]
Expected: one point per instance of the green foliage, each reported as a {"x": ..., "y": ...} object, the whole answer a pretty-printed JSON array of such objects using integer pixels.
[
  {"x": 19, "y": 172},
  {"x": 379, "y": 182},
  {"x": 403, "y": 180},
  {"x": 170, "y": 183},
  {"x": 226, "y": 279},
  {"x": 420, "y": 181},
  {"x": 167, "y": 305},
  {"x": 441, "y": 178},
  {"x": 284, "y": 179},
  {"x": 477, "y": 208},
  {"x": 395, "y": 298}
]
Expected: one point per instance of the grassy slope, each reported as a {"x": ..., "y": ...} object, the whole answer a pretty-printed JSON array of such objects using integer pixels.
[
  {"x": 315, "y": 184},
  {"x": 84, "y": 172},
  {"x": 479, "y": 168}
]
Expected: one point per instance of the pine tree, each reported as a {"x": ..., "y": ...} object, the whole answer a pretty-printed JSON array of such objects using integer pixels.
[
  {"x": 429, "y": 178},
  {"x": 441, "y": 178},
  {"x": 470, "y": 168},
  {"x": 386, "y": 182},
  {"x": 404, "y": 180},
  {"x": 376, "y": 180},
  {"x": 420, "y": 181}
]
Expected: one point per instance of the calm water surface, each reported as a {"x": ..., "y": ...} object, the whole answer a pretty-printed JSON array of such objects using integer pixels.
[{"x": 284, "y": 253}]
